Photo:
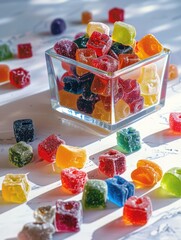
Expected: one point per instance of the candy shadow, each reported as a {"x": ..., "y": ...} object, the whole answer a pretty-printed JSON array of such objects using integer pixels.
[{"x": 10, "y": 239}]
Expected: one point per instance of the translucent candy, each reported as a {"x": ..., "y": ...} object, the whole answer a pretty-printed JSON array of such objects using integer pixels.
[
  {"x": 175, "y": 121},
  {"x": 94, "y": 194},
  {"x": 72, "y": 84},
  {"x": 115, "y": 14},
  {"x": 5, "y": 52},
  {"x": 4, "y": 73},
  {"x": 73, "y": 179},
  {"x": 87, "y": 105},
  {"x": 58, "y": 26},
  {"x": 98, "y": 27},
  {"x": 172, "y": 72},
  {"x": 81, "y": 41},
  {"x": 105, "y": 63},
  {"x": 15, "y": 188},
  {"x": 68, "y": 99},
  {"x": 19, "y": 77},
  {"x": 24, "y": 130},
  {"x": 137, "y": 210},
  {"x": 126, "y": 60},
  {"x": 66, "y": 47},
  {"x": 68, "y": 216},
  {"x": 136, "y": 105},
  {"x": 44, "y": 214},
  {"x": 119, "y": 48},
  {"x": 24, "y": 50},
  {"x": 86, "y": 17}
]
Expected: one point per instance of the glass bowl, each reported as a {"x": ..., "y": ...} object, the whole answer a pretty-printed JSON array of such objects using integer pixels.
[{"x": 110, "y": 100}]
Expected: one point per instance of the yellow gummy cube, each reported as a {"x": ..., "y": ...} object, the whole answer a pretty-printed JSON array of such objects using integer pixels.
[
  {"x": 70, "y": 156},
  {"x": 98, "y": 27},
  {"x": 15, "y": 188}
]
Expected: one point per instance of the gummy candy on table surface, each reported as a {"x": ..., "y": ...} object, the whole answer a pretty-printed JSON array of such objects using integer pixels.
[
  {"x": 20, "y": 154},
  {"x": 175, "y": 121},
  {"x": 94, "y": 194},
  {"x": 68, "y": 216},
  {"x": 73, "y": 179},
  {"x": 5, "y": 52},
  {"x": 44, "y": 214},
  {"x": 100, "y": 42},
  {"x": 4, "y": 73},
  {"x": 148, "y": 46},
  {"x": 119, "y": 190},
  {"x": 98, "y": 27},
  {"x": 24, "y": 50},
  {"x": 15, "y": 188},
  {"x": 112, "y": 163},
  {"x": 39, "y": 231},
  {"x": 48, "y": 147},
  {"x": 126, "y": 60},
  {"x": 124, "y": 33},
  {"x": 66, "y": 47},
  {"x": 171, "y": 181},
  {"x": 115, "y": 14},
  {"x": 172, "y": 72},
  {"x": 68, "y": 99},
  {"x": 24, "y": 130},
  {"x": 19, "y": 77},
  {"x": 70, "y": 156},
  {"x": 86, "y": 17},
  {"x": 58, "y": 26},
  {"x": 82, "y": 41},
  {"x": 137, "y": 210}
]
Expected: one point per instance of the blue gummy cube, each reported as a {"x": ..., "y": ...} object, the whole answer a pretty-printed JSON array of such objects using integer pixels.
[
  {"x": 119, "y": 190},
  {"x": 24, "y": 130},
  {"x": 72, "y": 85}
]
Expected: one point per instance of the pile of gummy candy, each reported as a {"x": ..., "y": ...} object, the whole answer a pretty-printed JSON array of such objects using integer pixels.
[
  {"x": 93, "y": 93},
  {"x": 67, "y": 216}
]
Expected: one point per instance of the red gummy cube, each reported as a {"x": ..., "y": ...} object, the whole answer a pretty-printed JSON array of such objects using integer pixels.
[
  {"x": 126, "y": 60},
  {"x": 136, "y": 105},
  {"x": 100, "y": 42},
  {"x": 19, "y": 77},
  {"x": 66, "y": 47},
  {"x": 137, "y": 210},
  {"x": 48, "y": 147},
  {"x": 116, "y": 14},
  {"x": 24, "y": 50},
  {"x": 112, "y": 163},
  {"x": 73, "y": 179},
  {"x": 68, "y": 216},
  {"x": 175, "y": 121}
]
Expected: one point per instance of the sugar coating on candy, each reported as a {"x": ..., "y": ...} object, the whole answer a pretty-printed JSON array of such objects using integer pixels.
[
  {"x": 19, "y": 77},
  {"x": 137, "y": 210},
  {"x": 24, "y": 130},
  {"x": 38, "y": 231},
  {"x": 73, "y": 179},
  {"x": 24, "y": 50},
  {"x": 4, "y": 72},
  {"x": 94, "y": 194},
  {"x": 20, "y": 154},
  {"x": 15, "y": 188},
  {"x": 66, "y": 47},
  {"x": 171, "y": 181},
  {"x": 98, "y": 27},
  {"x": 44, "y": 214},
  {"x": 86, "y": 17},
  {"x": 81, "y": 41},
  {"x": 68, "y": 216},
  {"x": 112, "y": 163},
  {"x": 5, "y": 52},
  {"x": 115, "y": 14},
  {"x": 175, "y": 121},
  {"x": 106, "y": 63},
  {"x": 70, "y": 156},
  {"x": 172, "y": 72},
  {"x": 48, "y": 147},
  {"x": 119, "y": 190},
  {"x": 58, "y": 26},
  {"x": 128, "y": 140}
]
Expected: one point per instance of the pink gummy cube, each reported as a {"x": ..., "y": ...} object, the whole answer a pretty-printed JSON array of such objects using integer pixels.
[
  {"x": 48, "y": 147},
  {"x": 19, "y": 77},
  {"x": 66, "y": 47},
  {"x": 68, "y": 216},
  {"x": 106, "y": 63},
  {"x": 112, "y": 163},
  {"x": 175, "y": 121},
  {"x": 24, "y": 50},
  {"x": 73, "y": 179}
]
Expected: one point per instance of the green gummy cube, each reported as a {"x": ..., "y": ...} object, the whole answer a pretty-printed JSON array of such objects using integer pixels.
[{"x": 5, "y": 52}]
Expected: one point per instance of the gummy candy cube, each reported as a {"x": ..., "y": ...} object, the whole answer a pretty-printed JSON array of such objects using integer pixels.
[
  {"x": 115, "y": 14},
  {"x": 86, "y": 17},
  {"x": 119, "y": 190},
  {"x": 98, "y": 27},
  {"x": 81, "y": 41},
  {"x": 87, "y": 105},
  {"x": 15, "y": 188},
  {"x": 126, "y": 60},
  {"x": 44, "y": 214},
  {"x": 4, "y": 73},
  {"x": 137, "y": 210},
  {"x": 24, "y": 50},
  {"x": 105, "y": 63},
  {"x": 73, "y": 179},
  {"x": 94, "y": 194},
  {"x": 5, "y": 52},
  {"x": 58, "y": 26},
  {"x": 79, "y": 34},
  {"x": 147, "y": 173},
  {"x": 19, "y": 77},
  {"x": 35, "y": 230},
  {"x": 72, "y": 84},
  {"x": 70, "y": 156},
  {"x": 136, "y": 105},
  {"x": 66, "y": 47},
  {"x": 68, "y": 99},
  {"x": 171, "y": 181},
  {"x": 100, "y": 42},
  {"x": 48, "y": 147},
  {"x": 128, "y": 140},
  {"x": 23, "y": 130},
  {"x": 148, "y": 46},
  {"x": 123, "y": 33},
  {"x": 175, "y": 121},
  {"x": 131, "y": 90},
  {"x": 68, "y": 216},
  {"x": 172, "y": 72},
  {"x": 119, "y": 48},
  {"x": 112, "y": 163},
  {"x": 20, "y": 154}
]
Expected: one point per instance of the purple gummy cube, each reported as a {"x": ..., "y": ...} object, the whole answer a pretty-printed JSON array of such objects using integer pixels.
[
  {"x": 72, "y": 84},
  {"x": 66, "y": 47},
  {"x": 58, "y": 26},
  {"x": 68, "y": 216},
  {"x": 119, "y": 190},
  {"x": 23, "y": 130},
  {"x": 87, "y": 105},
  {"x": 112, "y": 163}
]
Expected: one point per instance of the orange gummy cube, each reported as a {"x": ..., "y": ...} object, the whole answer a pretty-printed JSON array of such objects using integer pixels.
[
  {"x": 68, "y": 99},
  {"x": 172, "y": 72},
  {"x": 86, "y": 17},
  {"x": 4, "y": 73}
]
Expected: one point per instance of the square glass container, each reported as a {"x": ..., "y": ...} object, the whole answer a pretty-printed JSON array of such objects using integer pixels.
[{"x": 110, "y": 100}]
